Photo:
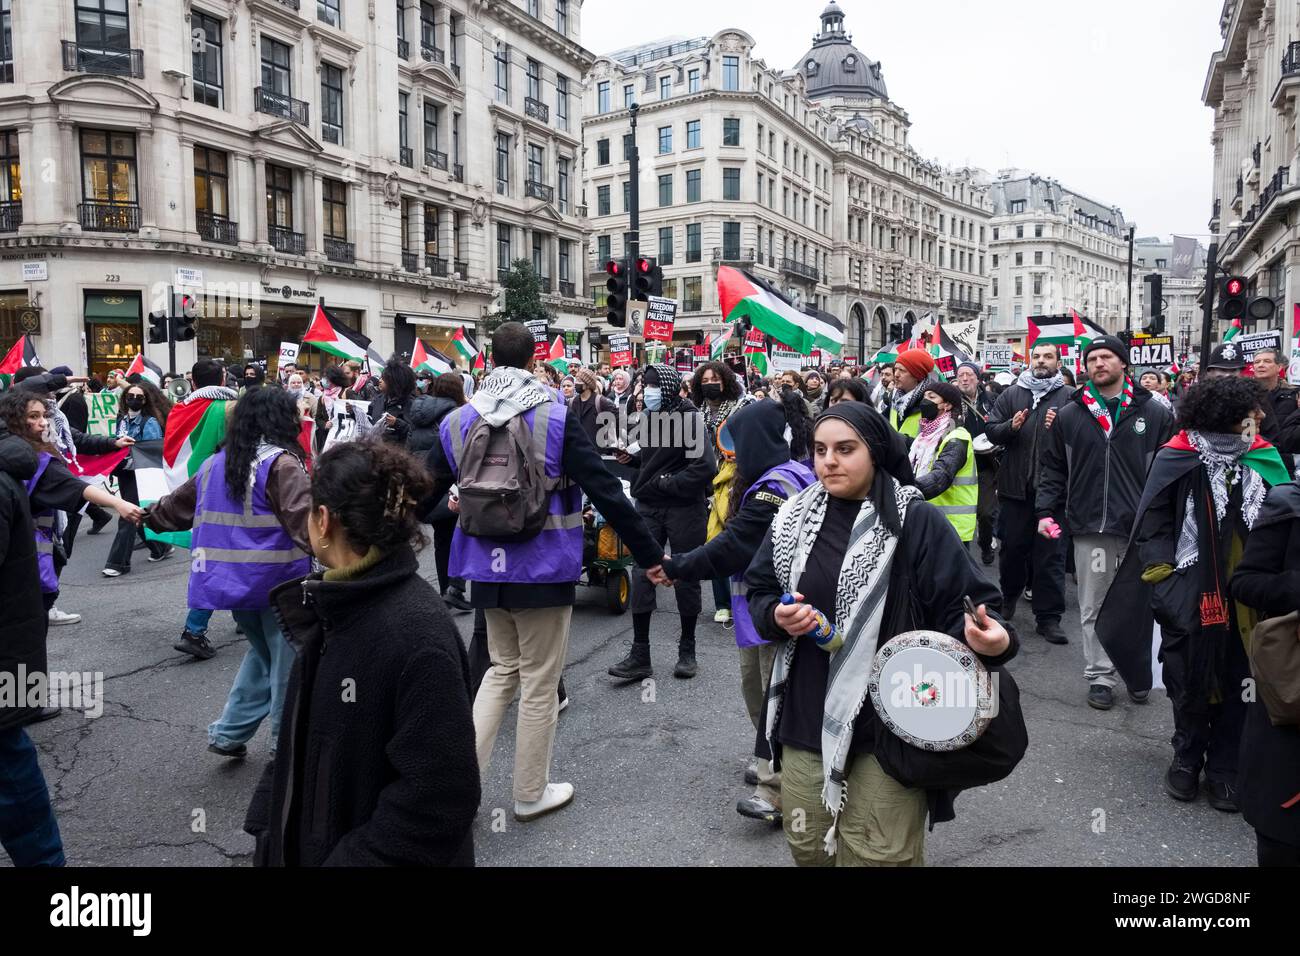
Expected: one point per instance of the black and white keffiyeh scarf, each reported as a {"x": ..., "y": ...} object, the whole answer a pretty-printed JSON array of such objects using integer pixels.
[
  {"x": 1221, "y": 455},
  {"x": 859, "y": 611},
  {"x": 508, "y": 392},
  {"x": 1039, "y": 388}
]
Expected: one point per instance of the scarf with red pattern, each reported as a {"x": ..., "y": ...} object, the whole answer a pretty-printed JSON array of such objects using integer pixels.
[{"x": 1096, "y": 403}]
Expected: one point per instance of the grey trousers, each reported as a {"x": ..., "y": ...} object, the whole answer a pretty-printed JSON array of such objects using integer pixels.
[
  {"x": 755, "y": 674},
  {"x": 1097, "y": 558}
]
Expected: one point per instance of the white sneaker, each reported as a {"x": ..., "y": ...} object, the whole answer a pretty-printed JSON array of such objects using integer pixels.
[
  {"x": 61, "y": 617},
  {"x": 557, "y": 795},
  {"x": 564, "y": 705},
  {"x": 110, "y": 573},
  {"x": 722, "y": 616}
]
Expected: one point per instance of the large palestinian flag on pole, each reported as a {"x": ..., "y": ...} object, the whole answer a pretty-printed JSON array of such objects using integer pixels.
[
  {"x": 22, "y": 355},
  {"x": 743, "y": 295},
  {"x": 424, "y": 359},
  {"x": 465, "y": 345},
  {"x": 330, "y": 335}
]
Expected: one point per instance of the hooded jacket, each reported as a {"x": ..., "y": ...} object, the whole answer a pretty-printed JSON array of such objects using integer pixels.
[
  {"x": 670, "y": 473},
  {"x": 426, "y": 413},
  {"x": 1094, "y": 484},
  {"x": 24, "y": 622}
]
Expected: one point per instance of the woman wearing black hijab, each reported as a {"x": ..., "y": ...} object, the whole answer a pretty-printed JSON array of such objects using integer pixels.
[
  {"x": 866, "y": 550},
  {"x": 675, "y": 468}
]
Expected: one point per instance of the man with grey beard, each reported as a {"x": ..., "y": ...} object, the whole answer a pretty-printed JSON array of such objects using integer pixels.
[{"x": 1019, "y": 422}]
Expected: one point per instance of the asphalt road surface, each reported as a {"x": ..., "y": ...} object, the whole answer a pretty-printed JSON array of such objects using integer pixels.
[{"x": 656, "y": 774}]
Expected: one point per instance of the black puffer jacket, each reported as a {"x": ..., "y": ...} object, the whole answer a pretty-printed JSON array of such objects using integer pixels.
[
  {"x": 1093, "y": 484},
  {"x": 375, "y": 764},
  {"x": 24, "y": 622},
  {"x": 667, "y": 474},
  {"x": 426, "y": 413},
  {"x": 1023, "y": 449}
]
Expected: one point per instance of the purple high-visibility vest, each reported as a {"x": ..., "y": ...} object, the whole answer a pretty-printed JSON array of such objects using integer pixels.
[
  {"x": 43, "y": 523},
  {"x": 786, "y": 480},
  {"x": 554, "y": 555},
  {"x": 241, "y": 552}
]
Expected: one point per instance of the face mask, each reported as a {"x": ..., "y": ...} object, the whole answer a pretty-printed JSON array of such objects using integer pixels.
[
  {"x": 653, "y": 398},
  {"x": 422, "y": 384},
  {"x": 135, "y": 404},
  {"x": 296, "y": 392},
  {"x": 929, "y": 410},
  {"x": 713, "y": 391}
]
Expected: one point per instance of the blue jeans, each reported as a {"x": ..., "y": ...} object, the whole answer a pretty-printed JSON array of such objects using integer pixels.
[
  {"x": 260, "y": 684},
  {"x": 28, "y": 830},
  {"x": 196, "y": 622}
]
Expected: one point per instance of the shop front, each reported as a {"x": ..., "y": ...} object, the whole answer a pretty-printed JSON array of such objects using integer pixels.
[
  {"x": 436, "y": 332},
  {"x": 114, "y": 325},
  {"x": 18, "y": 317},
  {"x": 237, "y": 333}
]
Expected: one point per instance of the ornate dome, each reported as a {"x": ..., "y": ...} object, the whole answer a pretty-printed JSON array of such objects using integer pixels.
[{"x": 835, "y": 67}]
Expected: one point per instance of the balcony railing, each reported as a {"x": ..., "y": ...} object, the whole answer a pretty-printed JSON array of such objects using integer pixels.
[
  {"x": 1281, "y": 179},
  {"x": 410, "y": 262},
  {"x": 462, "y": 267},
  {"x": 339, "y": 250},
  {"x": 215, "y": 228},
  {"x": 11, "y": 216},
  {"x": 797, "y": 268},
  {"x": 406, "y": 156},
  {"x": 291, "y": 4},
  {"x": 1291, "y": 60},
  {"x": 436, "y": 265},
  {"x": 277, "y": 104},
  {"x": 537, "y": 109},
  {"x": 568, "y": 289},
  {"x": 109, "y": 216},
  {"x": 963, "y": 305},
  {"x": 435, "y": 159},
  {"x": 502, "y": 274},
  {"x": 432, "y": 54},
  {"x": 458, "y": 173},
  {"x": 729, "y": 254},
  {"x": 540, "y": 191},
  {"x": 89, "y": 59},
  {"x": 404, "y": 49},
  {"x": 284, "y": 239}
]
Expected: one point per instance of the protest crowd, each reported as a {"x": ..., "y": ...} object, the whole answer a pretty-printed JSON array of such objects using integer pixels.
[{"x": 828, "y": 511}]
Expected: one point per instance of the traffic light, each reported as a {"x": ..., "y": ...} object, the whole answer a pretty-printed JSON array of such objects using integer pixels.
[
  {"x": 1260, "y": 308},
  {"x": 1153, "y": 302},
  {"x": 185, "y": 310},
  {"x": 641, "y": 282},
  {"x": 1232, "y": 298},
  {"x": 157, "y": 328},
  {"x": 617, "y": 286}
]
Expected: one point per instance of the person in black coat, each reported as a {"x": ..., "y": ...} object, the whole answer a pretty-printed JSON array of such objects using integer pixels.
[
  {"x": 375, "y": 764},
  {"x": 1268, "y": 770},
  {"x": 391, "y": 407},
  {"x": 28, "y": 830}
]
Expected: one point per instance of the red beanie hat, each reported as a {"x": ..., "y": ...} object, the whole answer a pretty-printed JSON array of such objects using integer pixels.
[{"x": 918, "y": 362}]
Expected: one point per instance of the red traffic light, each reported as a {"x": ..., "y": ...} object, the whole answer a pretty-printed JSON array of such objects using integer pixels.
[
  {"x": 643, "y": 265},
  {"x": 1235, "y": 287},
  {"x": 614, "y": 267}
]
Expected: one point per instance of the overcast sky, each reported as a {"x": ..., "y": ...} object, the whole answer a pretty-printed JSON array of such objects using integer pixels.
[{"x": 1104, "y": 96}]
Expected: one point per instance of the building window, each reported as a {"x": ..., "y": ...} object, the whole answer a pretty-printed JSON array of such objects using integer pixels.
[
  {"x": 334, "y": 202},
  {"x": 428, "y": 30},
  {"x": 995, "y": 287},
  {"x": 1038, "y": 258},
  {"x": 277, "y": 76},
  {"x": 503, "y": 164},
  {"x": 562, "y": 185},
  {"x": 670, "y": 289},
  {"x": 565, "y": 274},
  {"x": 628, "y": 143},
  {"x": 731, "y": 73},
  {"x": 692, "y": 185},
  {"x": 693, "y": 244},
  {"x": 603, "y": 251},
  {"x": 211, "y": 183},
  {"x": 432, "y": 139},
  {"x": 602, "y": 152},
  {"x": 209, "y": 80},
  {"x": 455, "y": 29},
  {"x": 504, "y": 256},
  {"x": 1020, "y": 232},
  {"x": 503, "y": 72},
  {"x": 731, "y": 185},
  {"x": 11, "y": 178},
  {"x": 1020, "y": 285},
  {"x": 562, "y": 101},
  {"x": 534, "y": 9},
  {"x": 693, "y": 294},
  {"x": 666, "y": 190},
  {"x": 562, "y": 16},
  {"x": 404, "y": 128},
  {"x": 602, "y": 96},
  {"x": 666, "y": 246},
  {"x": 1038, "y": 285},
  {"x": 692, "y": 81},
  {"x": 539, "y": 255},
  {"x": 455, "y": 139},
  {"x": 665, "y": 139},
  {"x": 536, "y": 161},
  {"x": 534, "y": 75},
  {"x": 1038, "y": 231},
  {"x": 331, "y": 98},
  {"x": 692, "y": 134},
  {"x": 627, "y": 195},
  {"x": 102, "y": 26},
  {"x": 108, "y": 171},
  {"x": 665, "y": 87},
  {"x": 1020, "y": 258},
  {"x": 602, "y": 201},
  {"x": 629, "y": 95},
  {"x": 731, "y": 241},
  {"x": 731, "y": 132},
  {"x": 279, "y": 196}
]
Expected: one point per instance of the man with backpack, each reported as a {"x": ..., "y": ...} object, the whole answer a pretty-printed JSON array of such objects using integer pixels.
[{"x": 521, "y": 462}]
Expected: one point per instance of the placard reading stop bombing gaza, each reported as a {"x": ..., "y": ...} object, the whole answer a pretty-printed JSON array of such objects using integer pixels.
[{"x": 1157, "y": 351}]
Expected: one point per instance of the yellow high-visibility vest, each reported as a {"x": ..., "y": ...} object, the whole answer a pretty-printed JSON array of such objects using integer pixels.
[{"x": 960, "y": 503}]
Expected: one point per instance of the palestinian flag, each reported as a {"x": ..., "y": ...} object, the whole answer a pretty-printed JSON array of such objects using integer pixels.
[
  {"x": 22, "y": 355},
  {"x": 556, "y": 357},
  {"x": 195, "y": 429},
  {"x": 941, "y": 345},
  {"x": 149, "y": 467},
  {"x": 887, "y": 355},
  {"x": 1233, "y": 330},
  {"x": 330, "y": 335},
  {"x": 718, "y": 346},
  {"x": 1062, "y": 330},
  {"x": 147, "y": 370},
  {"x": 465, "y": 345},
  {"x": 1263, "y": 458},
  {"x": 427, "y": 359},
  {"x": 88, "y": 467},
  {"x": 745, "y": 296},
  {"x": 480, "y": 364}
]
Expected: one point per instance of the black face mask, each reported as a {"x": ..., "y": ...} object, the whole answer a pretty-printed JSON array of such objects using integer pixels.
[
  {"x": 712, "y": 391},
  {"x": 929, "y": 410},
  {"x": 134, "y": 403}
]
